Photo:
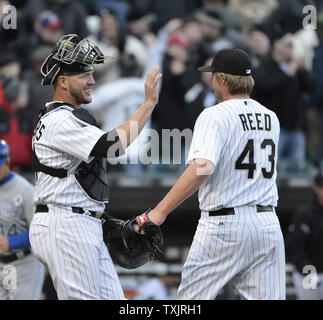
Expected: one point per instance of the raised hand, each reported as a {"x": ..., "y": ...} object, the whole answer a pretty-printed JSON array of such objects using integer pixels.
[{"x": 151, "y": 90}]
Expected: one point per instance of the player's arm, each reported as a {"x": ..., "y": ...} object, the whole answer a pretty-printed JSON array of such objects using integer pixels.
[
  {"x": 81, "y": 141},
  {"x": 17, "y": 241},
  {"x": 188, "y": 183},
  {"x": 129, "y": 130},
  {"x": 112, "y": 144},
  {"x": 203, "y": 157},
  {"x": 20, "y": 240}
]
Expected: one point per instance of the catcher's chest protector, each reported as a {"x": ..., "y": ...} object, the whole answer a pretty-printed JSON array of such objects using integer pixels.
[{"x": 92, "y": 177}]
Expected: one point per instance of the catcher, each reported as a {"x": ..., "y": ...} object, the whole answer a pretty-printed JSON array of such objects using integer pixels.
[{"x": 70, "y": 194}]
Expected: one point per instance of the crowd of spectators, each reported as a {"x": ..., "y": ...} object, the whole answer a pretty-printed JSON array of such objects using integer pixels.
[{"x": 180, "y": 36}]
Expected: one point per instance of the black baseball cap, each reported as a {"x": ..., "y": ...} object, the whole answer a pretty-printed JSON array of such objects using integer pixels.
[{"x": 231, "y": 61}]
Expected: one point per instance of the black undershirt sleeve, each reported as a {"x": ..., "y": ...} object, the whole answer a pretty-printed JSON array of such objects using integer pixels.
[{"x": 109, "y": 142}]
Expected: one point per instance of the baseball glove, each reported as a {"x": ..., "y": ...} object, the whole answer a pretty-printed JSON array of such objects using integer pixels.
[
  {"x": 141, "y": 234},
  {"x": 121, "y": 251}
]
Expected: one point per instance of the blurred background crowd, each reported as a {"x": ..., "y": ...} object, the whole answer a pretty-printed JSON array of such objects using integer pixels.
[{"x": 180, "y": 36}]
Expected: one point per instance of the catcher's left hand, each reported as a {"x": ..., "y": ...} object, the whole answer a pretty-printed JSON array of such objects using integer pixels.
[
  {"x": 141, "y": 229},
  {"x": 128, "y": 248}
]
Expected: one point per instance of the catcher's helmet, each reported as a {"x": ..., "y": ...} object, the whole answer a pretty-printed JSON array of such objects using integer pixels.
[
  {"x": 70, "y": 56},
  {"x": 4, "y": 152}
]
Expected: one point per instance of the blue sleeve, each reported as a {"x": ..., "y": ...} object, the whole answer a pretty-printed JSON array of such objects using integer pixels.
[{"x": 19, "y": 241}]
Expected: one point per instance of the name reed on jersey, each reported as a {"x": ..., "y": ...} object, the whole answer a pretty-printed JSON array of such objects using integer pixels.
[{"x": 255, "y": 121}]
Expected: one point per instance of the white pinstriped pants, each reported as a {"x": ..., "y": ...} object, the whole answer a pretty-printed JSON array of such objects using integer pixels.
[
  {"x": 246, "y": 248},
  {"x": 71, "y": 245}
]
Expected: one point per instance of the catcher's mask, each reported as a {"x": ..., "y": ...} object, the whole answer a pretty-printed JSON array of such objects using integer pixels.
[{"x": 70, "y": 56}]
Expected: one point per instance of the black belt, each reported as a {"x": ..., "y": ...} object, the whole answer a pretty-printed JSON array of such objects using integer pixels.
[
  {"x": 15, "y": 256},
  {"x": 44, "y": 208},
  {"x": 230, "y": 211}
]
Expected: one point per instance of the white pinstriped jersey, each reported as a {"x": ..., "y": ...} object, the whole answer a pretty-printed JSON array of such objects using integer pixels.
[
  {"x": 62, "y": 141},
  {"x": 240, "y": 137}
]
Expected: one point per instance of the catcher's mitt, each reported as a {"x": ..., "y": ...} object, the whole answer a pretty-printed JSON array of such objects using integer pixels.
[
  {"x": 141, "y": 234},
  {"x": 121, "y": 252}
]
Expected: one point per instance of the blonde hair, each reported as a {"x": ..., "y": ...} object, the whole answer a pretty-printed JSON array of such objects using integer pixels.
[{"x": 237, "y": 84}]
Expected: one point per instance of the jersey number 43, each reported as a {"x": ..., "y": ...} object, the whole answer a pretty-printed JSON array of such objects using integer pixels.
[{"x": 251, "y": 166}]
